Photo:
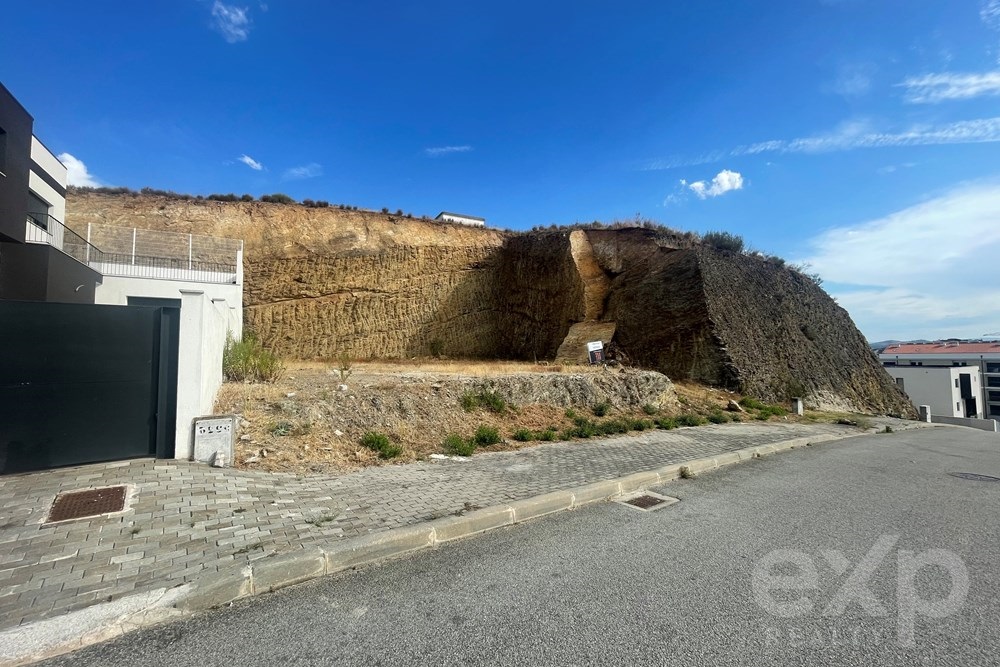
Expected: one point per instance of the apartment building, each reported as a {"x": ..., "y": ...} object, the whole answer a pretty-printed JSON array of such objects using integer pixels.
[{"x": 978, "y": 360}]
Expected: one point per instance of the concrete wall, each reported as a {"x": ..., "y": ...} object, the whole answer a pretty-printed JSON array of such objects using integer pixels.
[
  {"x": 209, "y": 312},
  {"x": 37, "y": 272},
  {"x": 989, "y": 425},
  {"x": 935, "y": 386}
]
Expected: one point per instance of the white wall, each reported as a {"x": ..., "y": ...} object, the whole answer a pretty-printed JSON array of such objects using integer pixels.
[
  {"x": 935, "y": 386},
  {"x": 462, "y": 220},
  {"x": 208, "y": 313},
  {"x": 47, "y": 161}
]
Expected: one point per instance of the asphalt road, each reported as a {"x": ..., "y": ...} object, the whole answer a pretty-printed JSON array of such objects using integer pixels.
[{"x": 874, "y": 530}]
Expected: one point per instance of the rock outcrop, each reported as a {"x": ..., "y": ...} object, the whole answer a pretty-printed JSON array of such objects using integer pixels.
[{"x": 325, "y": 282}]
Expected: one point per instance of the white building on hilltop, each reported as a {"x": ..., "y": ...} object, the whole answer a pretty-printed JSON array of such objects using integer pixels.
[{"x": 461, "y": 219}]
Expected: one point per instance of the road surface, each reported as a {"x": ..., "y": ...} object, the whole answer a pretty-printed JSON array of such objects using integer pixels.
[{"x": 865, "y": 551}]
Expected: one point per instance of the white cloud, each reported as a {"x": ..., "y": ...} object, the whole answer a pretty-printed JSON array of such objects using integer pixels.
[
  {"x": 852, "y": 80},
  {"x": 947, "y": 86},
  {"x": 891, "y": 168},
  {"x": 446, "y": 150},
  {"x": 990, "y": 14},
  {"x": 852, "y": 135},
  {"x": 77, "y": 173},
  {"x": 917, "y": 273},
  {"x": 231, "y": 21},
  {"x": 311, "y": 170},
  {"x": 725, "y": 181},
  {"x": 250, "y": 162}
]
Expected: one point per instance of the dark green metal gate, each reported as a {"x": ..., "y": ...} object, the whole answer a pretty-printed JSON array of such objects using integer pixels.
[{"x": 82, "y": 383}]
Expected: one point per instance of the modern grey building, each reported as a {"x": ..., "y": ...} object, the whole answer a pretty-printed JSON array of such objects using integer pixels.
[{"x": 38, "y": 255}]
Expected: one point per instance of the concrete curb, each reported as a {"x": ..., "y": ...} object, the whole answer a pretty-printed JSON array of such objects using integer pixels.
[
  {"x": 98, "y": 623},
  {"x": 295, "y": 567}
]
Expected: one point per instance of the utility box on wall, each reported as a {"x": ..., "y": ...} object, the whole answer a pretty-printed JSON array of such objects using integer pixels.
[{"x": 213, "y": 439}]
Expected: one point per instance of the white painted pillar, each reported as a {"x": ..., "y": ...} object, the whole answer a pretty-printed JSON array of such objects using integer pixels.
[{"x": 189, "y": 371}]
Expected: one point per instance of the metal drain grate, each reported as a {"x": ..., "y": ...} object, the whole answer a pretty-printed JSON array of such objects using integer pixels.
[
  {"x": 974, "y": 477},
  {"x": 93, "y": 502},
  {"x": 645, "y": 502}
]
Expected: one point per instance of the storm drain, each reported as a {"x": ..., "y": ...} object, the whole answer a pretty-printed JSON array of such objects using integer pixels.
[
  {"x": 647, "y": 500},
  {"x": 92, "y": 502},
  {"x": 974, "y": 477}
]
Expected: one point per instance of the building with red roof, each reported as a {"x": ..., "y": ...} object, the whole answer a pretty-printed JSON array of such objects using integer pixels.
[{"x": 980, "y": 358}]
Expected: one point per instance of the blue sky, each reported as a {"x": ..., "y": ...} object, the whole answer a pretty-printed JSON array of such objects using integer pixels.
[{"x": 861, "y": 136}]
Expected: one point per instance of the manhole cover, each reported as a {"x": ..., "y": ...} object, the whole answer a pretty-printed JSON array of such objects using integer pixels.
[
  {"x": 648, "y": 501},
  {"x": 974, "y": 477},
  {"x": 93, "y": 502}
]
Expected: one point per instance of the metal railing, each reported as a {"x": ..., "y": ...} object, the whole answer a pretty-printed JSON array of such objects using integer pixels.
[
  {"x": 163, "y": 268},
  {"x": 44, "y": 229}
]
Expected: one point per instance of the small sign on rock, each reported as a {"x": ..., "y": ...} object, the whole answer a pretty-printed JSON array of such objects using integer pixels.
[{"x": 595, "y": 350}]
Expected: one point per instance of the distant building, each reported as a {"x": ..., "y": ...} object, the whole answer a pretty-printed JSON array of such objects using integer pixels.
[
  {"x": 461, "y": 219},
  {"x": 949, "y": 391},
  {"x": 979, "y": 360}
]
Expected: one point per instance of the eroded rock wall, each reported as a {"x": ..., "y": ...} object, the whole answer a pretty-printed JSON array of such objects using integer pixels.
[
  {"x": 658, "y": 302},
  {"x": 540, "y": 294},
  {"x": 325, "y": 282},
  {"x": 786, "y": 337},
  {"x": 740, "y": 322}
]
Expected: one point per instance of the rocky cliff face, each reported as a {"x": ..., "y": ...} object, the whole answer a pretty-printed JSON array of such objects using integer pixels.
[
  {"x": 738, "y": 321},
  {"x": 324, "y": 282}
]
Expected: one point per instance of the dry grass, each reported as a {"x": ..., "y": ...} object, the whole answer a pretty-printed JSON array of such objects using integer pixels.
[
  {"x": 700, "y": 398},
  {"x": 304, "y": 424},
  {"x": 442, "y": 366}
]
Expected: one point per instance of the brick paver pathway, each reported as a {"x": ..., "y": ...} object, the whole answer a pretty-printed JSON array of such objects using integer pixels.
[{"x": 185, "y": 520}]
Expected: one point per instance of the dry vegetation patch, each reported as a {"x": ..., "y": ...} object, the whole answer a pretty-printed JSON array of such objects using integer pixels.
[{"x": 308, "y": 421}]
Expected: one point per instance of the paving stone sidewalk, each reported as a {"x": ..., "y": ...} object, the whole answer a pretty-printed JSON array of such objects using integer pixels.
[{"x": 186, "y": 519}]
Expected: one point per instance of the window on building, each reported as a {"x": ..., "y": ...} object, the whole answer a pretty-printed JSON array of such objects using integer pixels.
[
  {"x": 38, "y": 209},
  {"x": 958, "y": 407},
  {"x": 992, "y": 368}
]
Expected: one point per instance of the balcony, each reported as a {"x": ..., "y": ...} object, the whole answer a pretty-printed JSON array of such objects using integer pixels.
[
  {"x": 139, "y": 253},
  {"x": 43, "y": 229}
]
